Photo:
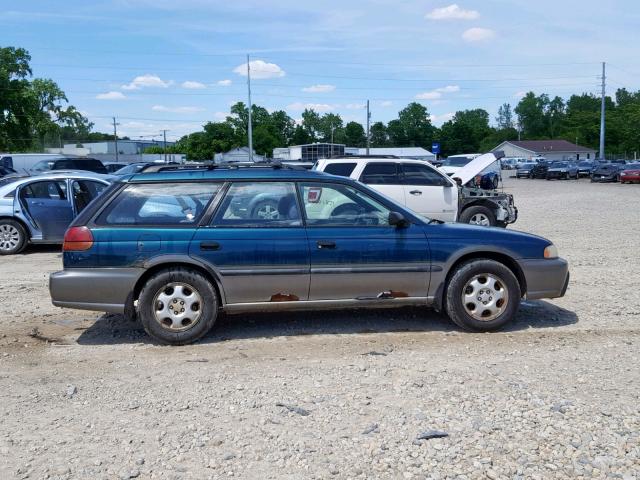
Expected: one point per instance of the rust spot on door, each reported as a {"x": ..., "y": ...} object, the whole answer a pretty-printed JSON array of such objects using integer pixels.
[{"x": 284, "y": 297}]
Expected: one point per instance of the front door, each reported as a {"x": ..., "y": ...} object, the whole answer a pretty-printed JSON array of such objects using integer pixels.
[
  {"x": 429, "y": 193},
  {"x": 257, "y": 244},
  {"x": 385, "y": 178},
  {"x": 355, "y": 253},
  {"x": 48, "y": 205}
]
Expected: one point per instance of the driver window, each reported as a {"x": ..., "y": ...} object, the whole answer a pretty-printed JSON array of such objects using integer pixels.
[{"x": 341, "y": 205}]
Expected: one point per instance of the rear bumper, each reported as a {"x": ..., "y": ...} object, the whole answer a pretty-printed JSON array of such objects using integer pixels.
[
  {"x": 100, "y": 289},
  {"x": 545, "y": 278}
]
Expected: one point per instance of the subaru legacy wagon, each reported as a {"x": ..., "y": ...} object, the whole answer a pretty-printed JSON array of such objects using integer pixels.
[{"x": 175, "y": 248}]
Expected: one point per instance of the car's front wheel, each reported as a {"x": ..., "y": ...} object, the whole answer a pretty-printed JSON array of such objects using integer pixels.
[
  {"x": 478, "y": 215},
  {"x": 178, "y": 306},
  {"x": 13, "y": 237},
  {"x": 482, "y": 295}
]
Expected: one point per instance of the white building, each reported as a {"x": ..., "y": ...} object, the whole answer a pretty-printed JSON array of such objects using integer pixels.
[
  {"x": 235, "y": 155},
  {"x": 416, "y": 153},
  {"x": 312, "y": 152},
  {"x": 552, "y": 150}
]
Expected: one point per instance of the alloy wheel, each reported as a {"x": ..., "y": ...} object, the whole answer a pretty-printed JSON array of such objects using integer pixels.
[
  {"x": 485, "y": 297},
  {"x": 9, "y": 237},
  {"x": 177, "y": 306}
]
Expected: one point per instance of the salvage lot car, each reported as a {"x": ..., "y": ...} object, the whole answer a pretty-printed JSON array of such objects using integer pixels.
[
  {"x": 39, "y": 209},
  {"x": 524, "y": 169},
  {"x": 607, "y": 172},
  {"x": 429, "y": 191},
  {"x": 562, "y": 170},
  {"x": 631, "y": 173},
  {"x": 175, "y": 269}
]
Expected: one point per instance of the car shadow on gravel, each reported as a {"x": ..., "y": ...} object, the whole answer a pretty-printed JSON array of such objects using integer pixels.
[{"x": 115, "y": 329}]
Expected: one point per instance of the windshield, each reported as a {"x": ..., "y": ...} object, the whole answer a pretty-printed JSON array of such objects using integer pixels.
[
  {"x": 584, "y": 164},
  {"x": 43, "y": 165},
  {"x": 632, "y": 166},
  {"x": 559, "y": 165},
  {"x": 456, "y": 161}
]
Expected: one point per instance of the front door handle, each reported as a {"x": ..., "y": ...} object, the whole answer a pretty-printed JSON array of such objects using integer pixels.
[
  {"x": 209, "y": 246},
  {"x": 326, "y": 244},
  {"x": 416, "y": 192}
]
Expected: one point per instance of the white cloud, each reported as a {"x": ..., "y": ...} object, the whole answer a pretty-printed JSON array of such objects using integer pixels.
[
  {"x": 318, "y": 107},
  {"x": 111, "y": 96},
  {"x": 162, "y": 108},
  {"x": 260, "y": 70},
  {"x": 320, "y": 88},
  {"x": 386, "y": 103},
  {"x": 437, "y": 92},
  {"x": 147, "y": 80},
  {"x": 477, "y": 34},
  {"x": 519, "y": 94},
  {"x": 440, "y": 119},
  {"x": 220, "y": 116},
  {"x": 224, "y": 83},
  {"x": 192, "y": 85},
  {"x": 452, "y": 12},
  {"x": 355, "y": 106}
]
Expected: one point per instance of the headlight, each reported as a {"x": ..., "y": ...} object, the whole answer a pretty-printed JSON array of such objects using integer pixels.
[{"x": 551, "y": 251}]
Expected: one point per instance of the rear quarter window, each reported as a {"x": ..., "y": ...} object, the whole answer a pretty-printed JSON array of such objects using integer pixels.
[
  {"x": 340, "y": 169},
  {"x": 176, "y": 204}
]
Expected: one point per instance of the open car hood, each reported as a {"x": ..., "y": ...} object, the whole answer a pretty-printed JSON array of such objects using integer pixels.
[{"x": 474, "y": 167}]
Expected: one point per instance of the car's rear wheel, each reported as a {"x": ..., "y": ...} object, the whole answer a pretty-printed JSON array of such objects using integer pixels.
[
  {"x": 178, "y": 306},
  {"x": 265, "y": 210},
  {"x": 482, "y": 295},
  {"x": 13, "y": 237},
  {"x": 478, "y": 215}
]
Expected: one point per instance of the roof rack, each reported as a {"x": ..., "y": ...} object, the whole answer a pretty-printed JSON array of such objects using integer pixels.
[{"x": 230, "y": 165}]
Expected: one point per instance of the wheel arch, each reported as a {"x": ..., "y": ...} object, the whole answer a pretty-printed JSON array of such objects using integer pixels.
[
  {"x": 166, "y": 263},
  {"x": 27, "y": 230},
  {"x": 480, "y": 202},
  {"x": 499, "y": 257}
]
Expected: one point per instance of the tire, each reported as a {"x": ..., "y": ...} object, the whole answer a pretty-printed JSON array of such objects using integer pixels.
[
  {"x": 495, "y": 183},
  {"x": 499, "y": 280},
  {"x": 478, "y": 213},
  {"x": 13, "y": 237},
  {"x": 565, "y": 176},
  {"x": 265, "y": 209},
  {"x": 177, "y": 285}
]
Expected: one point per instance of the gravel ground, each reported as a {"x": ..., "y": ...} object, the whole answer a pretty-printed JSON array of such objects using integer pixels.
[{"x": 342, "y": 394}]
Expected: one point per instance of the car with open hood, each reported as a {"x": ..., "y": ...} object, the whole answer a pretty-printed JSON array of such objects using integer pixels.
[
  {"x": 39, "y": 208},
  {"x": 463, "y": 196},
  {"x": 172, "y": 250}
]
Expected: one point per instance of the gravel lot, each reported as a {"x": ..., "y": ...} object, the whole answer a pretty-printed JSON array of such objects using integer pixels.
[{"x": 342, "y": 394}]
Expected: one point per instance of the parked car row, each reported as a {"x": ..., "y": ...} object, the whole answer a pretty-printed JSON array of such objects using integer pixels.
[{"x": 616, "y": 171}]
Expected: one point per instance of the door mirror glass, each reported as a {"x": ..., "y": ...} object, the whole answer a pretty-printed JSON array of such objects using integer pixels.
[{"x": 396, "y": 219}]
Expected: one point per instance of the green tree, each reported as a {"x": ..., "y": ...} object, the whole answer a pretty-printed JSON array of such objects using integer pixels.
[
  {"x": 354, "y": 134},
  {"x": 413, "y": 127},
  {"x": 504, "y": 119},
  {"x": 465, "y": 132},
  {"x": 379, "y": 135}
]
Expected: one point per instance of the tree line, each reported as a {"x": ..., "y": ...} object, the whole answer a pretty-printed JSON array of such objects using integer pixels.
[{"x": 36, "y": 112}]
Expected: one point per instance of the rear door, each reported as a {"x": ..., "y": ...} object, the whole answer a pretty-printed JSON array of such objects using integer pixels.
[
  {"x": 385, "y": 178},
  {"x": 83, "y": 192},
  {"x": 49, "y": 207},
  {"x": 257, "y": 244},
  {"x": 428, "y": 192}
]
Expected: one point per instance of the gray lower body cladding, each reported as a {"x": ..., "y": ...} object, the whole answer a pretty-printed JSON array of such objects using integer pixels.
[{"x": 545, "y": 278}]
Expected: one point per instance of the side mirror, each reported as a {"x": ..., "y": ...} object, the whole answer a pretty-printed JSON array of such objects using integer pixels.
[{"x": 396, "y": 219}]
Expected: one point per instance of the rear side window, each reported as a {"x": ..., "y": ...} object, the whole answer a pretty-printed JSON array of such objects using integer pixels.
[
  {"x": 340, "y": 169},
  {"x": 159, "y": 204},
  {"x": 64, "y": 165},
  {"x": 380, "y": 174}
]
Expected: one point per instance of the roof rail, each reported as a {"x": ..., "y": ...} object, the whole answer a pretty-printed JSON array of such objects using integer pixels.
[
  {"x": 276, "y": 165},
  {"x": 344, "y": 157}
]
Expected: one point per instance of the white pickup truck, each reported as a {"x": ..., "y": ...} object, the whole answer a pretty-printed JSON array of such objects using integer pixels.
[{"x": 429, "y": 191}]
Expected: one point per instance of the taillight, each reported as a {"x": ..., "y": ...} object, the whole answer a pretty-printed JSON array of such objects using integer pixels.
[{"x": 77, "y": 239}]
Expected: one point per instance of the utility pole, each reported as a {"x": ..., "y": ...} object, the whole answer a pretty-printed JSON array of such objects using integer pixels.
[
  {"x": 164, "y": 144},
  {"x": 368, "y": 120},
  {"x": 115, "y": 136},
  {"x": 602, "y": 113},
  {"x": 249, "y": 125}
]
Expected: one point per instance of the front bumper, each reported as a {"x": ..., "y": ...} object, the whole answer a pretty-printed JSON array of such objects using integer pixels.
[
  {"x": 545, "y": 278},
  {"x": 556, "y": 174},
  {"x": 100, "y": 289},
  {"x": 630, "y": 178},
  {"x": 603, "y": 178}
]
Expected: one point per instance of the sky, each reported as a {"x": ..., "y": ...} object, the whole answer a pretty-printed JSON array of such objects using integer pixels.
[{"x": 176, "y": 64}]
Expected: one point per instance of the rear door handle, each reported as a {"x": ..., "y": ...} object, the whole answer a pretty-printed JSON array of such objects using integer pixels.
[
  {"x": 209, "y": 246},
  {"x": 326, "y": 244},
  {"x": 416, "y": 192}
]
